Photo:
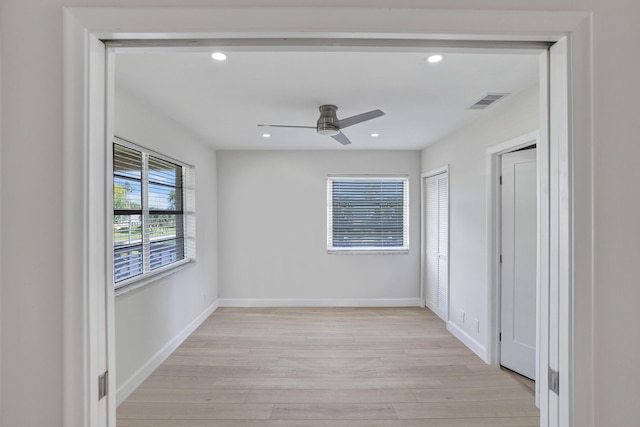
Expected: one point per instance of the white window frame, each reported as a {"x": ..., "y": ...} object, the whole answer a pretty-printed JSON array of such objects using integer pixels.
[
  {"x": 331, "y": 249},
  {"x": 188, "y": 218}
]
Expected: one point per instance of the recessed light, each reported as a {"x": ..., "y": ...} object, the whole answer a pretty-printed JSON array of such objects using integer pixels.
[
  {"x": 434, "y": 58},
  {"x": 266, "y": 135},
  {"x": 375, "y": 135},
  {"x": 218, "y": 56}
]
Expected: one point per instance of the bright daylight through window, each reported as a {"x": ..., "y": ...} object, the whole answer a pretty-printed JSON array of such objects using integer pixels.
[
  {"x": 368, "y": 214},
  {"x": 149, "y": 221}
]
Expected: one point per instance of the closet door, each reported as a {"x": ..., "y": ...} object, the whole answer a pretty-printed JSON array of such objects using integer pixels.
[
  {"x": 519, "y": 262},
  {"x": 436, "y": 235}
]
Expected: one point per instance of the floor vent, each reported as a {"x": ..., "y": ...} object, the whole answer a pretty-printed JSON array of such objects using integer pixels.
[{"x": 487, "y": 100}]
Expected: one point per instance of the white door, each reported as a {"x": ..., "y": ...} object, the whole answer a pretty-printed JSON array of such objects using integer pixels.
[
  {"x": 519, "y": 249},
  {"x": 436, "y": 199}
]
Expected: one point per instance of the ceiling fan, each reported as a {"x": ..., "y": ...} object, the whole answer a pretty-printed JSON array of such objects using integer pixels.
[{"x": 328, "y": 123}]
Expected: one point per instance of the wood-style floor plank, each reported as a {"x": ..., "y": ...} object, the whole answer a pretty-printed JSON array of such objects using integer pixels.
[
  {"x": 485, "y": 408},
  {"x": 451, "y": 422},
  {"x": 333, "y": 411},
  {"x": 195, "y": 411},
  {"x": 321, "y": 367},
  {"x": 324, "y": 396}
]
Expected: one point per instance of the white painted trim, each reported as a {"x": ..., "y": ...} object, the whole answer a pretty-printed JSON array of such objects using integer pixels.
[
  {"x": 576, "y": 351},
  {"x": 354, "y": 23},
  {"x": 108, "y": 228},
  {"x": 514, "y": 144},
  {"x": 473, "y": 344},
  {"x": 349, "y": 302},
  {"x": 542, "y": 340},
  {"x": 435, "y": 172},
  {"x": 138, "y": 377},
  {"x": 85, "y": 333}
]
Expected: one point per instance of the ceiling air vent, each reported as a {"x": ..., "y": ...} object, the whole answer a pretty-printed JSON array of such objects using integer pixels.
[{"x": 487, "y": 100}]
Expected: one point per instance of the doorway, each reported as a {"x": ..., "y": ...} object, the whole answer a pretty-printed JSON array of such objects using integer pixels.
[
  {"x": 519, "y": 249},
  {"x": 495, "y": 251},
  {"x": 85, "y": 26}
]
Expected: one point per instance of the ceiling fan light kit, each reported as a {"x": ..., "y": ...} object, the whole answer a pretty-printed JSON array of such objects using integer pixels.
[
  {"x": 328, "y": 123},
  {"x": 328, "y": 120}
]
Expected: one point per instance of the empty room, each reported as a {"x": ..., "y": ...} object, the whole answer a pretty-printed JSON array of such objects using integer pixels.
[
  {"x": 87, "y": 340},
  {"x": 300, "y": 235}
]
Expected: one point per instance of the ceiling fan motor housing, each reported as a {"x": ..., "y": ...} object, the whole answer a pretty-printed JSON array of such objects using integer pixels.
[{"x": 328, "y": 121}]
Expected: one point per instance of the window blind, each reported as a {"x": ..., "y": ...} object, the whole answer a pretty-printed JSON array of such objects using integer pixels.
[
  {"x": 166, "y": 223},
  {"x": 150, "y": 225},
  {"x": 368, "y": 213},
  {"x": 128, "y": 258}
]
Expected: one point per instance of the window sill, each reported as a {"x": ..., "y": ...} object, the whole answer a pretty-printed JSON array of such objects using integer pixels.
[
  {"x": 372, "y": 251},
  {"x": 138, "y": 282}
]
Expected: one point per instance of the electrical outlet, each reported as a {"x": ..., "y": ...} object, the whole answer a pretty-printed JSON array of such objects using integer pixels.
[
  {"x": 462, "y": 316},
  {"x": 477, "y": 326}
]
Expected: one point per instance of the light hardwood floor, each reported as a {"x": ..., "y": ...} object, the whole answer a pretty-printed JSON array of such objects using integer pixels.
[{"x": 327, "y": 367}]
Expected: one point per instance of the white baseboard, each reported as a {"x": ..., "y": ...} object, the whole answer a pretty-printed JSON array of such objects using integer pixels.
[
  {"x": 152, "y": 364},
  {"x": 468, "y": 340},
  {"x": 352, "y": 302}
]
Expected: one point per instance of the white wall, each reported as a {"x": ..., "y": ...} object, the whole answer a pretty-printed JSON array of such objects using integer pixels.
[
  {"x": 31, "y": 277},
  {"x": 272, "y": 221},
  {"x": 150, "y": 318},
  {"x": 31, "y": 226},
  {"x": 617, "y": 204},
  {"x": 1, "y": 198},
  {"x": 465, "y": 152}
]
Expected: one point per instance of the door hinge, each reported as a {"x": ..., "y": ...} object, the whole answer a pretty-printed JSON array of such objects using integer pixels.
[
  {"x": 500, "y": 258},
  {"x": 500, "y": 179},
  {"x": 500, "y": 337},
  {"x": 554, "y": 381},
  {"x": 103, "y": 387}
]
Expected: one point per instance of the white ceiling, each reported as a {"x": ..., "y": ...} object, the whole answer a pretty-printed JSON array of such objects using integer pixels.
[{"x": 223, "y": 102}]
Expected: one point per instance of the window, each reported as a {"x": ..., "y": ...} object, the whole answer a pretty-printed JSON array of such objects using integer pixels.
[
  {"x": 151, "y": 228},
  {"x": 368, "y": 214}
]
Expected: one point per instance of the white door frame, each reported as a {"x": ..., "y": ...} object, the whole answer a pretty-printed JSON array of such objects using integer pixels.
[
  {"x": 423, "y": 228},
  {"x": 494, "y": 235},
  {"x": 569, "y": 314}
]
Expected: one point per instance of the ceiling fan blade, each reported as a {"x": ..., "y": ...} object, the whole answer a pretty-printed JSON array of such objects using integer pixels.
[
  {"x": 354, "y": 120},
  {"x": 286, "y": 126},
  {"x": 341, "y": 138}
]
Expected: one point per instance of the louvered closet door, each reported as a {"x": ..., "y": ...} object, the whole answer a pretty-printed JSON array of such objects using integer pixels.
[
  {"x": 436, "y": 210},
  {"x": 443, "y": 245}
]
